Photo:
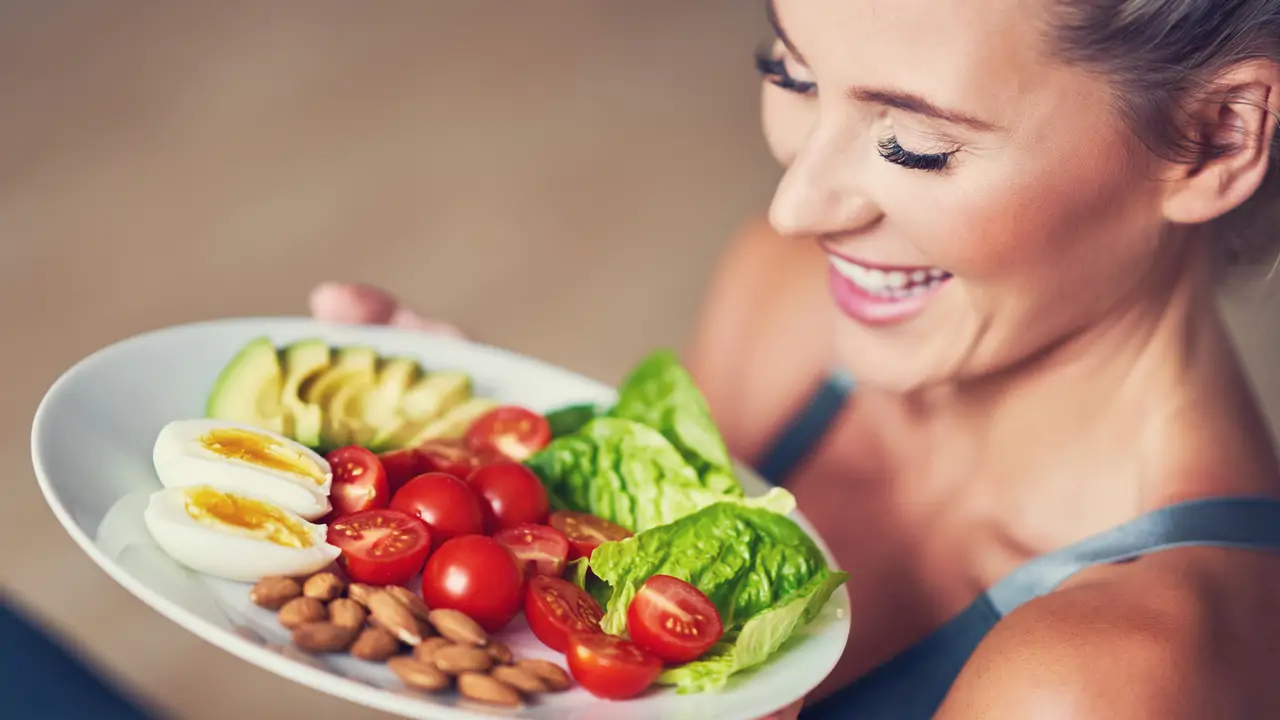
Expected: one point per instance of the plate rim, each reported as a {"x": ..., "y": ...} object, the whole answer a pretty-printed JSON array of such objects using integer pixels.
[{"x": 320, "y": 680}]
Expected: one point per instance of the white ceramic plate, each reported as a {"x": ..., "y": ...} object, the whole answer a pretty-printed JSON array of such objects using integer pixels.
[{"x": 91, "y": 445}]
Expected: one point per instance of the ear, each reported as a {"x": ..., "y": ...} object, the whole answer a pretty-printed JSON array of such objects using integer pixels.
[{"x": 1236, "y": 118}]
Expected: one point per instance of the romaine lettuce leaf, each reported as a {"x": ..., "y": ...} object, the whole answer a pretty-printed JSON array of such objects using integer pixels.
[
  {"x": 765, "y": 576},
  {"x": 630, "y": 474},
  {"x": 759, "y": 638},
  {"x": 660, "y": 393}
]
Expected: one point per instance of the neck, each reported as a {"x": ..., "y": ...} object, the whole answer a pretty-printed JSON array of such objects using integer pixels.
[{"x": 1085, "y": 409}]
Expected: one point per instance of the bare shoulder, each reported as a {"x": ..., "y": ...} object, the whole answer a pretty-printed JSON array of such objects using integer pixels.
[
  {"x": 1180, "y": 634},
  {"x": 763, "y": 334}
]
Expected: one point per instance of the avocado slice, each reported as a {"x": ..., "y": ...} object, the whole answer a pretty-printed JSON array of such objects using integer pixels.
[
  {"x": 248, "y": 388},
  {"x": 425, "y": 401},
  {"x": 382, "y": 416},
  {"x": 456, "y": 422},
  {"x": 303, "y": 361},
  {"x": 352, "y": 366}
]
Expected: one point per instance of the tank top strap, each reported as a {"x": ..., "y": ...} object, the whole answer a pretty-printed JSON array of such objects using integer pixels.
[
  {"x": 1251, "y": 523},
  {"x": 806, "y": 428}
]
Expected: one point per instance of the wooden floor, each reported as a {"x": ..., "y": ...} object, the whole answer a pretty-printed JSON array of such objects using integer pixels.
[{"x": 556, "y": 176}]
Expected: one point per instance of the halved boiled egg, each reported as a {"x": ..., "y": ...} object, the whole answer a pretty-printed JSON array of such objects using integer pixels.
[
  {"x": 245, "y": 460},
  {"x": 235, "y": 537}
]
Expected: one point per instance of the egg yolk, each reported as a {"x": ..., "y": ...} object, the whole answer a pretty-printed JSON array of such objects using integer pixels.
[
  {"x": 260, "y": 450},
  {"x": 206, "y": 505}
]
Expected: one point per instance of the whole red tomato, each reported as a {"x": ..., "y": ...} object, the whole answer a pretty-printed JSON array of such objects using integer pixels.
[
  {"x": 477, "y": 576},
  {"x": 512, "y": 494},
  {"x": 446, "y": 504}
]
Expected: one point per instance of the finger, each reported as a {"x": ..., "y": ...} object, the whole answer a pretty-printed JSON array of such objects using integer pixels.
[
  {"x": 406, "y": 318},
  {"x": 353, "y": 303}
]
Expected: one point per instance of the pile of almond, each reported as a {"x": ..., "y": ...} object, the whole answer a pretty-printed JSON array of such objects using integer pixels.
[{"x": 379, "y": 624}]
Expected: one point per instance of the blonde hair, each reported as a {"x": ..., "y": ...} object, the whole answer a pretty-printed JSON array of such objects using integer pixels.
[{"x": 1160, "y": 53}]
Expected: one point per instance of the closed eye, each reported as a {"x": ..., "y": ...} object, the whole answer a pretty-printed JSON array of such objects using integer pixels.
[
  {"x": 774, "y": 70},
  {"x": 893, "y": 152}
]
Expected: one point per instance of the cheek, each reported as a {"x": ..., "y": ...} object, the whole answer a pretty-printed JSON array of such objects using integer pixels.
[{"x": 787, "y": 121}]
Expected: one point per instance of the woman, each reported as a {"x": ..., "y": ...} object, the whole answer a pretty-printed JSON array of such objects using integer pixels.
[{"x": 1002, "y": 220}]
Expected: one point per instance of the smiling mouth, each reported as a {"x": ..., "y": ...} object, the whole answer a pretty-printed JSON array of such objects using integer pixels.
[{"x": 890, "y": 283}]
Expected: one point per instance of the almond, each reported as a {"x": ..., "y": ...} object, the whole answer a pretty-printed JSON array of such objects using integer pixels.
[
  {"x": 360, "y": 592},
  {"x": 300, "y": 611},
  {"x": 375, "y": 644},
  {"x": 345, "y": 612},
  {"x": 500, "y": 653},
  {"x": 522, "y": 680},
  {"x": 426, "y": 650},
  {"x": 456, "y": 659},
  {"x": 481, "y": 687},
  {"x": 551, "y": 674},
  {"x": 458, "y": 627},
  {"x": 412, "y": 602},
  {"x": 273, "y": 592},
  {"x": 394, "y": 617},
  {"x": 417, "y": 674},
  {"x": 324, "y": 587},
  {"x": 322, "y": 637}
]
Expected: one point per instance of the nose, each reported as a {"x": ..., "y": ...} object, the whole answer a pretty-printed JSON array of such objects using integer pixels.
[{"x": 819, "y": 195}]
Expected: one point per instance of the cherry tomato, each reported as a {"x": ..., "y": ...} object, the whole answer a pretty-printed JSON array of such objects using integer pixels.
[
  {"x": 446, "y": 504},
  {"x": 402, "y": 466},
  {"x": 448, "y": 456},
  {"x": 557, "y": 608},
  {"x": 477, "y": 576},
  {"x": 610, "y": 667},
  {"x": 512, "y": 493},
  {"x": 673, "y": 620},
  {"x": 539, "y": 549},
  {"x": 359, "y": 482},
  {"x": 381, "y": 547},
  {"x": 512, "y": 431},
  {"x": 586, "y": 532}
]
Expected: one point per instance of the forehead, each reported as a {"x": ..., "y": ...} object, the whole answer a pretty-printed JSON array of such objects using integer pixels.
[{"x": 989, "y": 57}]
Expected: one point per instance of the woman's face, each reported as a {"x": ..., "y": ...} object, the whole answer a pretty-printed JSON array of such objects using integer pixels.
[{"x": 979, "y": 200}]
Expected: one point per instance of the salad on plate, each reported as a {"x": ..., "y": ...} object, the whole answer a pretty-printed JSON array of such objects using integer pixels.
[{"x": 389, "y": 512}]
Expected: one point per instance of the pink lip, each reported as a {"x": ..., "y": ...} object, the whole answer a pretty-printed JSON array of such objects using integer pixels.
[{"x": 877, "y": 310}]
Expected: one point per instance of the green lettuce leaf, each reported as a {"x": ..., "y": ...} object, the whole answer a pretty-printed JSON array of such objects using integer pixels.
[
  {"x": 660, "y": 393},
  {"x": 766, "y": 577},
  {"x": 760, "y": 638},
  {"x": 630, "y": 474},
  {"x": 570, "y": 419}
]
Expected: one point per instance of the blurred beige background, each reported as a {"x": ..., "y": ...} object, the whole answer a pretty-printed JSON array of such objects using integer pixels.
[{"x": 556, "y": 176}]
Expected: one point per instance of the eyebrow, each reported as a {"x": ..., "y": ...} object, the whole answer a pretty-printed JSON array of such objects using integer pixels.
[
  {"x": 915, "y": 104},
  {"x": 906, "y": 101}
]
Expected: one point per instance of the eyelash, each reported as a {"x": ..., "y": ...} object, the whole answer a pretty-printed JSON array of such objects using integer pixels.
[
  {"x": 891, "y": 151},
  {"x": 774, "y": 71}
]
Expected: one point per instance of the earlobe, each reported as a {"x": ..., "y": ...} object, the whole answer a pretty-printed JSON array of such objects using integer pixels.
[{"x": 1236, "y": 130}]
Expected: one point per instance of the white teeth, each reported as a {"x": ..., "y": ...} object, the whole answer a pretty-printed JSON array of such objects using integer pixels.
[{"x": 891, "y": 284}]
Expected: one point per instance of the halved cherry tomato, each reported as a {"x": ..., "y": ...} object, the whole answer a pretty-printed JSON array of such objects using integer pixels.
[
  {"x": 673, "y": 620},
  {"x": 381, "y": 547},
  {"x": 402, "y": 466},
  {"x": 512, "y": 431},
  {"x": 475, "y": 575},
  {"x": 512, "y": 494},
  {"x": 359, "y": 481},
  {"x": 446, "y": 504},
  {"x": 557, "y": 608},
  {"x": 585, "y": 532},
  {"x": 610, "y": 667},
  {"x": 448, "y": 456},
  {"x": 540, "y": 550}
]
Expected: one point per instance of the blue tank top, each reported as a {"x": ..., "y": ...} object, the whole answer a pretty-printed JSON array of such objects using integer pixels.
[{"x": 912, "y": 685}]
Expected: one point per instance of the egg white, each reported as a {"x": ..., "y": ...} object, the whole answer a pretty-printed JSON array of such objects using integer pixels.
[
  {"x": 181, "y": 461},
  {"x": 226, "y": 551}
]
